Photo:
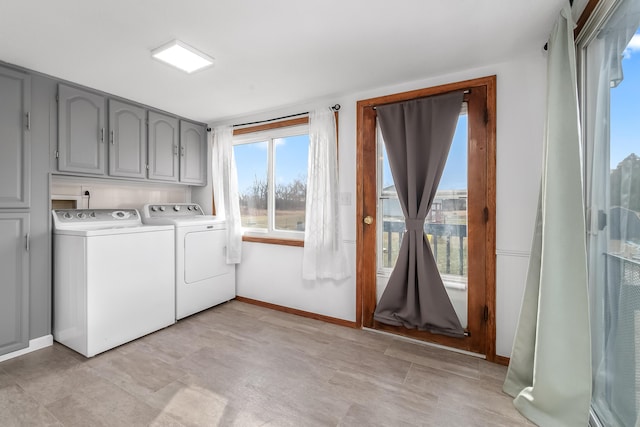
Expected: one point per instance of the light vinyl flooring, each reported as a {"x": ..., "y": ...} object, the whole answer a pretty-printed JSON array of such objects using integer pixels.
[{"x": 243, "y": 365}]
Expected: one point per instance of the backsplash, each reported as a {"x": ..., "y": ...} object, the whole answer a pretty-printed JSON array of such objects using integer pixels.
[{"x": 111, "y": 194}]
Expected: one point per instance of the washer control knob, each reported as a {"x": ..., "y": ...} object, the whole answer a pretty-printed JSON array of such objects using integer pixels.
[
  {"x": 190, "y": 207},
  {"x": 92, "y": 214},
  {"x": 66, "y": 215},
  {"x": 154, "y": 208},
  {"x": 81, "y": 215},
  {"x": 195, "y": 207},
  {"x": 161, "y": 208},
  {"x": 176, "y": 208},
  {"x": 120, "y": 214}
]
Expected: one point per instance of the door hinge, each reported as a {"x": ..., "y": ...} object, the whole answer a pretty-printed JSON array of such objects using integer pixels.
[
  {"x": 57, "y": 154},
  {"x": 485, "y": 214},
  {"x": 485, "y": 314}
]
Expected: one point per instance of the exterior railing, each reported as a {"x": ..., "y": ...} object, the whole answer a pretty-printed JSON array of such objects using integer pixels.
[{"x": 438, "y": 232}]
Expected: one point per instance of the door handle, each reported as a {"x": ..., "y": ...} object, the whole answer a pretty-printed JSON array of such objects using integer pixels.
[{"x": 368, "y": 220}]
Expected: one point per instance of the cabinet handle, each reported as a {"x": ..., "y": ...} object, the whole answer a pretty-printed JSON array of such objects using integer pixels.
[
  {"x": 175, "y": 150},
  {"x": 182, "y": 151},
  {"x": 27, "y": 239},
  {"x": 28, "y": 117},
  {"x": 112, "y": 140},
  {"x": 102, "y": 135}
]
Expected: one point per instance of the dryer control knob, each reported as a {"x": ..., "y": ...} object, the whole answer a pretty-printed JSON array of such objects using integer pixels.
[
  {"x": 66, "y": 215},
  {"x": 154, "y": 208},
  {"x": 161, "y": 208},
  {"x": 176, "y": 208}
]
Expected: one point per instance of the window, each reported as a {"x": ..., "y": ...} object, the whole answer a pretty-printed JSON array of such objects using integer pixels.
[
  {"x": 272, "y": 180},
  {"x": 609, "y": 60}
]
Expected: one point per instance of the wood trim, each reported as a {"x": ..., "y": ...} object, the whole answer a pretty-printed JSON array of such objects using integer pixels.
[
  {"x": 501, "y": 360},
  {"x": 366, "y": 177},
  {"x": 490, "y": 245},
  {"x": 423, "y": 93},
  {"x": 272, "y": 125},
  {"x": 584, "y": 17},
  {"x": 297, "y": 312},
  {"x": 272, "y": 241}
]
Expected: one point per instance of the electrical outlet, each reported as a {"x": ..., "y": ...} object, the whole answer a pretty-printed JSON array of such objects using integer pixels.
[{"x": 85, "y": 190}]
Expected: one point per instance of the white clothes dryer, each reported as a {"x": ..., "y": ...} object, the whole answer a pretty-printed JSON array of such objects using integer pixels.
[
  {"x": 203, "y": 277},
  {"x": 113, "y": 278}
]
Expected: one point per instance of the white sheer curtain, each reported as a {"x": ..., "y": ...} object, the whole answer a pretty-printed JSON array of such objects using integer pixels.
[
  {"x": 225, "y": 190},
  {"x": 324, "y": 256},
  {"x": 549, "y": 374},
  {"x": 614, "y": 301}
]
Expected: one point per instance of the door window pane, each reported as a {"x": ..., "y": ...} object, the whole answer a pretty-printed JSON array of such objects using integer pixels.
[{"x": 251, "y": 164}]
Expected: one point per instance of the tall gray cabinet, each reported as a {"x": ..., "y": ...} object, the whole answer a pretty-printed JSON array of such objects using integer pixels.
[{"x": 15, "y": 123}]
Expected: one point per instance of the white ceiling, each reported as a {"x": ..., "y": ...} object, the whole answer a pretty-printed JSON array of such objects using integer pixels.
[{"x": 269, "y": 54}]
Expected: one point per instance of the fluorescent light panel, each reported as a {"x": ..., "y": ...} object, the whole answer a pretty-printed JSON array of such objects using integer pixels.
[{"x": 182, "y": 56}]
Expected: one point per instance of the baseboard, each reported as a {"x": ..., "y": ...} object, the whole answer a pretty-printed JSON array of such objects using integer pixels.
[
  {"x": 34, "y": 344},
  {"x": 502, "y": 360},
  {"x": 297, "y": 312}
]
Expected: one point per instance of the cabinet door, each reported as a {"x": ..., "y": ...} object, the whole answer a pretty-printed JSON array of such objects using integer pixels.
[
  {"x": 80, "y": 131},
  {"x": 15, "y": 102},
  {"x": 193, "y": 153},
  {"x": 14, "y": 288},
  {"x": 163, "y": 147},
  {"x": 127, "y": 140}
]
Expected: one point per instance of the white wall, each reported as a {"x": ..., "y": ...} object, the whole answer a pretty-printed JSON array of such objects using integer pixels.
[{"x": 266, "y": 271}]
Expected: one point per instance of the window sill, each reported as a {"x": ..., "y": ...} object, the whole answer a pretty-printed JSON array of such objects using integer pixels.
[{"x": 273, "y": 241}]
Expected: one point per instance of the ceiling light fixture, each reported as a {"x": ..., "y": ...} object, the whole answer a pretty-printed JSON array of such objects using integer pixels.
[{"x": 182, "y": 56}]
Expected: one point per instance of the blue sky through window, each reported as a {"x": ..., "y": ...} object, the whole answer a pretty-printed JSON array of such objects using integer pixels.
[{"x": 625, "y": 118}]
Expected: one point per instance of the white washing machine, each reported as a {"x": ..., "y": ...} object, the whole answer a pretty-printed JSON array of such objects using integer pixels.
[
  {"x": 113, "y": 278},
  {"x": 203, "y": 277}
]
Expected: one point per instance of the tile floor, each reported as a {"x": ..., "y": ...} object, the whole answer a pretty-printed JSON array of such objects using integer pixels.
[{"x": 242, "y": 365}]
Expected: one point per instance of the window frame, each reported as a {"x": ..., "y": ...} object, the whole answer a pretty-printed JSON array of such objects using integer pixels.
[{"x": 270, "y": 132}]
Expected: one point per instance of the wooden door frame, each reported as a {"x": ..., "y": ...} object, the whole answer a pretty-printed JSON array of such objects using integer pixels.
[{"x": 366, "y": 182}]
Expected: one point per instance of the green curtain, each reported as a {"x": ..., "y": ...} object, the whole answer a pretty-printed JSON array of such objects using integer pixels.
[{"x": 550, "y": 371}]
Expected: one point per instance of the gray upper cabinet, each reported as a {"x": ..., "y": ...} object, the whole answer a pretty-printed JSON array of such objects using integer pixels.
[
  {"x": 127, "y": 140},
  {"x": 163, "y": 147},
  {"x": 14, "y": 292},
  {"x": 81, "y": 131},
  {"x": 193, "y": 153},
  {"x": 15, "y": 121}
]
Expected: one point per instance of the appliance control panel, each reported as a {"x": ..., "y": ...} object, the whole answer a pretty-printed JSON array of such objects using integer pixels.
[
  {"x": 174, "y": 210},
  {"x": 95, "y": 218}
]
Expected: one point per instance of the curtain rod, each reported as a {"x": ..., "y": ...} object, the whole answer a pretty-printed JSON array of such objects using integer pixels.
[{"x": 334, "y": 108}]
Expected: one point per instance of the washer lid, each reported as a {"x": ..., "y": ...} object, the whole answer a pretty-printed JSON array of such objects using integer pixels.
[{"x": 112, "y": 230}]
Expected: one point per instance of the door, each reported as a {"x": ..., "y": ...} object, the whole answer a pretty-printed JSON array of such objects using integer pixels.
[
  {"x": 15, "y": 93},
  {"x": 460, "y": 226},
  {"x": 14, "y": 292},
  {"x": 81, "y": 131},
  {"x": 127, "y": 140},
  {"x": 163, "y": 147},
  {"x": 193, "y": 153}
]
